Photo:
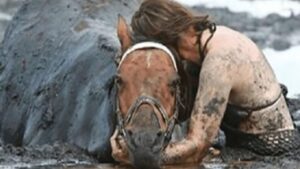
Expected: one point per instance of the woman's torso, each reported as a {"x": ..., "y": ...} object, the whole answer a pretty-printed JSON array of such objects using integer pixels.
[{"x": 254, "y": 84}]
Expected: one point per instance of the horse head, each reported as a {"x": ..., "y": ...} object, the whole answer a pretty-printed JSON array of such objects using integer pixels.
[{"x": 148, "y": 97}]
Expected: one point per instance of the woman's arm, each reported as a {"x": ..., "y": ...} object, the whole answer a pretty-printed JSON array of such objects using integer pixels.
[{"x": 214, "y": 89}]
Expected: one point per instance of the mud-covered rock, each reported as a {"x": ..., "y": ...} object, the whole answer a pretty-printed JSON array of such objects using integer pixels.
[
  {"x": 55, "y": 154},
  {"x": 294, "y": 106},
  {"x": 280, "y": 45},
  {"x": 56, "y": 71}
]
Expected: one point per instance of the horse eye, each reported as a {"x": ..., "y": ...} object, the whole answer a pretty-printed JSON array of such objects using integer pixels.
[
  {"x": 174, "y": 82},
  {"x": 173, "y": 85},
  {"x": 118, "y": 80},
  {"x": 159, "y": 134},
  {"x": 129, "y": 132}
]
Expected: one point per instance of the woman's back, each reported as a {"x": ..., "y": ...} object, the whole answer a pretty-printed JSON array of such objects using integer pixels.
[{"x": 255, "y": 88}]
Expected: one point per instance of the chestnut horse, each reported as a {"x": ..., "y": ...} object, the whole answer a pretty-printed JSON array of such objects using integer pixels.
[{"x": 151, "y": 91}]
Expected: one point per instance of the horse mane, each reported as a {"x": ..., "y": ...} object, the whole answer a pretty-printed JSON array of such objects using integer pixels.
[
  {"x": 187, "y": 93},
  {"x": 187, "y": 90}
]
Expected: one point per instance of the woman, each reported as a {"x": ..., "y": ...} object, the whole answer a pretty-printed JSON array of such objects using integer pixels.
[{"x": 234, "y": 75}]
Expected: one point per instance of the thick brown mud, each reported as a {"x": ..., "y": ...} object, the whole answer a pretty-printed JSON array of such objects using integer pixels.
[{"x": 65, "y": 156}]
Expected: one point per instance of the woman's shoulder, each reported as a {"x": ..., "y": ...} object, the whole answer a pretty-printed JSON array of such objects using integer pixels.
[
  {"x": 227, "y": 40},
  {"x": 227, "y": 32}
]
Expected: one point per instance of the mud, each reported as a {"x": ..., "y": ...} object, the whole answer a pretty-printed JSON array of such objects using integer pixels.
[
  {"x": 66, "y": 156},
  {"x": 59, "y": 155},
  {"x": 41, "y": 156}
]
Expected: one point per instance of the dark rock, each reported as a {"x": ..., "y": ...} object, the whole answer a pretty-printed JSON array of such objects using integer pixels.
[
  {"x": 57, "y": 63},
  {"x": 280, "y": 44},
  {"x": 273, "y": 18},
  {"x": 262, "y": 31},
  {"x": 294, "y": 106}
]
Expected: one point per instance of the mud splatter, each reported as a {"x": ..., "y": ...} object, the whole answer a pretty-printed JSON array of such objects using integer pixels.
[{"x": 213, "y": 106}]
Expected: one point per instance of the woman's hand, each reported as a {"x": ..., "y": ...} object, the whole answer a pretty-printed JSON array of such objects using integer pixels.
[{"x": 119, "y": 148}]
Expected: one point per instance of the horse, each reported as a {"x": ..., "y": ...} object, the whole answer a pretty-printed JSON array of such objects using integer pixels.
[{"x": 153, "y": 93}]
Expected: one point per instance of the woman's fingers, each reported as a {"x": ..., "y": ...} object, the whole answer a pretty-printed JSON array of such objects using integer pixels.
[
  {"x": 116, "y": 149},
  {"x": 122, "y": 144},
  {"x": 119, "y": 149}
]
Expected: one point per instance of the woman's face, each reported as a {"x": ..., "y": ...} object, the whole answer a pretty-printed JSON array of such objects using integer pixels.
[{"x": 187, "y": 45}]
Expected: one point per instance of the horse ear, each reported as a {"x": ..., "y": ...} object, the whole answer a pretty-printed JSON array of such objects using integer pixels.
[{"x": 123, "y": 33}]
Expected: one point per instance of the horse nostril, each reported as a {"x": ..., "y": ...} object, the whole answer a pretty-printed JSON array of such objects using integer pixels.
[
  {"x": 159, "y": 134},
  {"x": 129, "y": 132}
]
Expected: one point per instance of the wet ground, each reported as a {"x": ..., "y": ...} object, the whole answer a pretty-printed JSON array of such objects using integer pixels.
[{"x": 66, "y": 156}]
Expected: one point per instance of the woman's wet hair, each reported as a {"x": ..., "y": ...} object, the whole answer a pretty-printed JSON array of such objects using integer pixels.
[{"x": 164, "y": 20}]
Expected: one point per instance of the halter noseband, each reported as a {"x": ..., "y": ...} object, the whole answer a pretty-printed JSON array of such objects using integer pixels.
[{"x": 170, "y": 122}]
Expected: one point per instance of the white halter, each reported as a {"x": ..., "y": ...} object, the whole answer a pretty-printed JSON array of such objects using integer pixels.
[{"x": 144, "y": 45}]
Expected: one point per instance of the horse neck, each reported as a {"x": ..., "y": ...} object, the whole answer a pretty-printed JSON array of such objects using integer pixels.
[{"x": 189, "y": 74}]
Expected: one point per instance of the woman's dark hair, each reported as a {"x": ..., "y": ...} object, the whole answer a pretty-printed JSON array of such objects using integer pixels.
[{"x": 164, "y": 20}]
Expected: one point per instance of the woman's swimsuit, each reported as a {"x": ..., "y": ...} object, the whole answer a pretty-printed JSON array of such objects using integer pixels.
[{"x": 268, "y": 143}]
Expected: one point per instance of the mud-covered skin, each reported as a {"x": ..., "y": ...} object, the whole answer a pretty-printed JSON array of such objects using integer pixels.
[
  {"x": 236, "y": 72},
  {"x": 268, "y": 119},
  {"x": 212, "y": 106}
]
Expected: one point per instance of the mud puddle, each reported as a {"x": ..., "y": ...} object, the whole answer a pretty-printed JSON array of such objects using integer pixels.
[{"x": 54, "y": 165}]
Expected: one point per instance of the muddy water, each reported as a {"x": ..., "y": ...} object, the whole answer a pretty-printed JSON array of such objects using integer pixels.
[
  {"x": 111, "y": 166},
  {"x": 273, "y": 163},
  {"x": 213, "y": 165},
  {"x": 53, "y": 165}
]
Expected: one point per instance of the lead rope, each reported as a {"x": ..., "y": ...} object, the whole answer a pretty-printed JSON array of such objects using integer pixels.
[{"x": 212, "y": 29}]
